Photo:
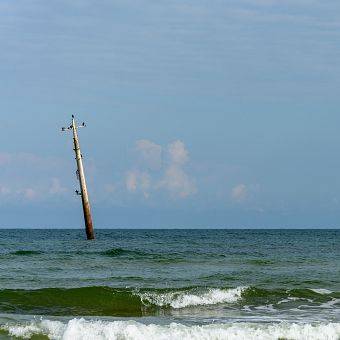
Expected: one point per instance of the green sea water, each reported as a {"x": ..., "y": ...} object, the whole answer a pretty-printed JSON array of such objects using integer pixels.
[{"x": 170, "y": 284}]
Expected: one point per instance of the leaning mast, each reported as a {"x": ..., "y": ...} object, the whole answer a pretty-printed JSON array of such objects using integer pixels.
[{"x": 82, "y": 181}]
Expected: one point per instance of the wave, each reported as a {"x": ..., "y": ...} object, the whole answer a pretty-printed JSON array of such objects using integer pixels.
[
  {"x": 141, "y": 255},
  {"x": 71, "y": 301},
  {"x": 80, "y": 329},
  {"x": 261, "y": 262},
  {"x": 26, "y": 252},
  {"x": 321, "y": 291},
  {"x": 107, "y": 301},
  {"x": 135, "y": 254},
  {"x": 113, "y": 252},
  {"x": 184, "y": 299},
  {"x": 116, "y": 252}
]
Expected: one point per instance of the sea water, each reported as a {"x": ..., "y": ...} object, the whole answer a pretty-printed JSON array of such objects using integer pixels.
[{"x": 170, "y": 284}]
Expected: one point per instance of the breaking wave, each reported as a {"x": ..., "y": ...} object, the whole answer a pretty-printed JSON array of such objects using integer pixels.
[
  {"x": 107, "y": 301},
  {"x": 85, "y": 329},
  {"x": 184, "y": 299}
]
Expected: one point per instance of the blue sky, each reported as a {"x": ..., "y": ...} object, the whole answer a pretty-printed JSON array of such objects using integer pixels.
[{"x": 199, "y": 113}]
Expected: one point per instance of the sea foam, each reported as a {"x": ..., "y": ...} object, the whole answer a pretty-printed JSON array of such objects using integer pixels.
[
  {"x": 81, "y": 329},
  {"x": 184, "y": 299}
]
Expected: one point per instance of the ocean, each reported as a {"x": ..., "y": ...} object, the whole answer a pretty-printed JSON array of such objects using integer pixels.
[{"x": 170, "y": 284}]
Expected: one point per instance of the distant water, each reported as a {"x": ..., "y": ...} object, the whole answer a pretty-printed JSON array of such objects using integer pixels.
[{"x": 170, "y": 284}]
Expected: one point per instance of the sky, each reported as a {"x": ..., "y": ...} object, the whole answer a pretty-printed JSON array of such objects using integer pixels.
[{"x": 199, "y": 113}]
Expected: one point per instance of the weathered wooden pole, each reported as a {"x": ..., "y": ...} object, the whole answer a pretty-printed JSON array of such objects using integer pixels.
[{"x": 81, "y": 177}]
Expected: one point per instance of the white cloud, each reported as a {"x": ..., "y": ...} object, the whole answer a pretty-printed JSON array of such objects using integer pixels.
[
  {"x": 39, "y": 181},
  {"x": 177, "y": 182},
  {"x": 171, "y": 177},
  {"x": 56, "y": 187},
  {"x": 138, "y": 181},
  {"x": 29, "y": 193},
  {"x": 177, "y": 152},
  {"x": 150, "y": 152},
  {"x": 4, "y": 190},
  {"x": 145, "y": 183},
  {"x": 239, "y": 193},
  {"x": 131, "y": 181}
]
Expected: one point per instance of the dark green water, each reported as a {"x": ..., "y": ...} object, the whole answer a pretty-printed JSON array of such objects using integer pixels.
[{"x": 170, "y": 284}]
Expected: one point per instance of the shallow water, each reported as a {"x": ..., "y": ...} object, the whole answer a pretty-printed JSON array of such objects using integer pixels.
[{"x": 144, "y": 284}]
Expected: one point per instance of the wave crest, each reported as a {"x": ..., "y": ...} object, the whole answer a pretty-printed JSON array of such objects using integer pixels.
[{"x": 184, "y": 299}]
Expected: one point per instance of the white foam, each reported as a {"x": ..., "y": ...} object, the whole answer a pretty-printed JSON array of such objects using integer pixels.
[
  {"x": 52, "y": 329},
  {"x": 80, "y": 329},
  {"x": 184, "y": 299},
  {"x": 289, "y": 299},
  {"x": 330, "y": 304},
  {"x": 321, "y": 291},
  {"x": 268, "y": 308}
]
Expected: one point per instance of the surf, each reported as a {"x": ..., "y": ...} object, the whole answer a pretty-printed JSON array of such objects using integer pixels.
[{"x": 95, "y": 329}]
